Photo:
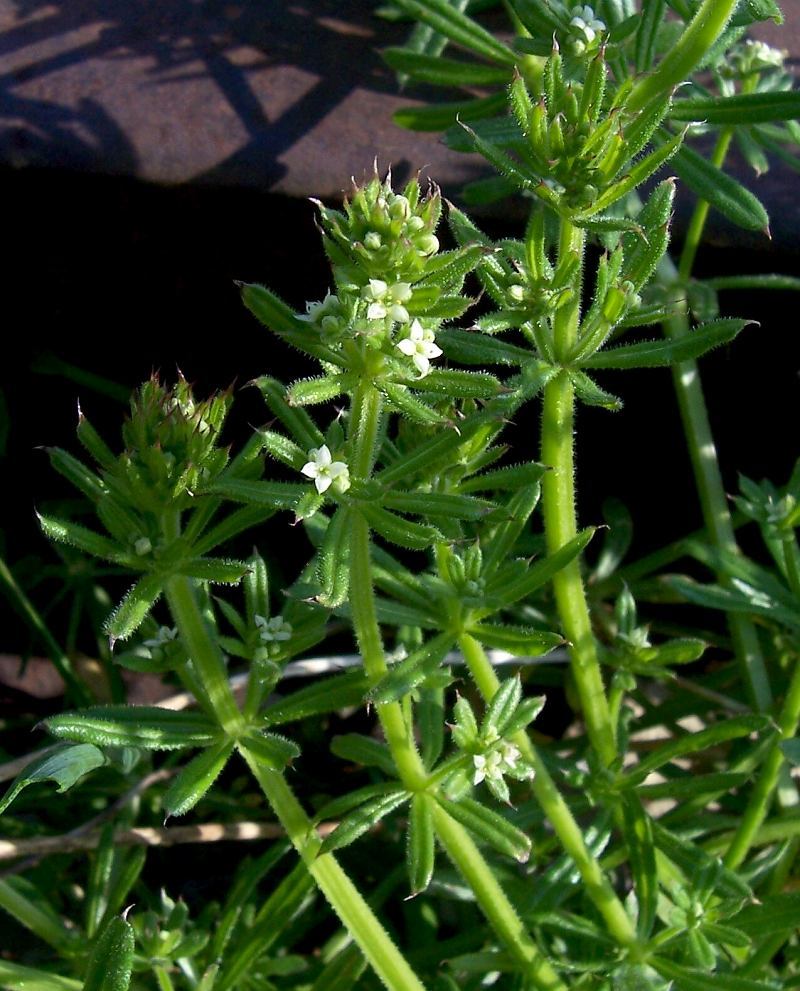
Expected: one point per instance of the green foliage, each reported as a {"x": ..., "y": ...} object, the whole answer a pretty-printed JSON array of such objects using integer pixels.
[{"x": 595, "y": 860}]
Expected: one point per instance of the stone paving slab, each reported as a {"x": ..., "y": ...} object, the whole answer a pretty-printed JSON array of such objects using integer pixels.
[{"x": 284, "y": 96}]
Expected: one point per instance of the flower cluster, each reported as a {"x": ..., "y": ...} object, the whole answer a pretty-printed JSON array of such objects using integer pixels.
[
  {"x": 586, "y": 30},
  {"x": 752, "y": 57}
]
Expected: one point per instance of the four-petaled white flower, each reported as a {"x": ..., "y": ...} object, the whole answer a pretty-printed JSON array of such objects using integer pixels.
[
  {"x": 504, "y": 759},
  {"x": 420, "y": 346},
  {"x": 586, "y": 26},
  {"x": 273, "y": 630},
  {"x": 387, "y": 301},
  {"x": 325, "y": 471}
]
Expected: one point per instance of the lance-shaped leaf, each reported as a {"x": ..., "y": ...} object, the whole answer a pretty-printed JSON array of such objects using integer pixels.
[
  {"x": 465, "y": 385},
  {"x": 195, "y": 779},
  {"x": 407, "y": 674},
  {"x": 489, "y": 827},
  {"x": 501, "y": 709},
  {"x": 439, "y": 71},
  {"x": 722, "y": 191},
  {"x": 635, "y": 176},
  {"x": 111, "y": 963},
  {"x": 420, "y": 848},
  {"x": 458, "y": 507},
  {"x": 501, "y": 132},
  {"x": 64, "y": 765},
  {"x": 503, "y": 538},
  {"x": 283, "y": 449},
  {"x": 686, "y": 979},
  {"x": 77, "y": 473},
  {"x": 694, "y": 861},
  {"x": 711, "y": 785},
  {"x": 447, "y": 269},
  {"x": 231, "y": 525},
  {"x": 522, "y": 641},
  {"x": 297, "y": 421},
  {"x": 364, "y": 750},
  {"x": 459, "y": 28},
  {"x": 271, "y": 750},
  {"x": 395, "y": 529},
  {"x": 638, "y": 835},
  {"x": 94, "y": 443},
  {"x": 145, "y": 726},
  {"x": 770, "y": 915},
  {"x": 642, "y": 254},
  {"x": 312, "y": 391},
  {"x": 524, "y": 715},
  {"x": 732, "y": 729},
  {"x": 473, "y": 348},
  {"x": 510, "y": 479},
  {"x": 326, "y": 695},
  {"x": 134, "y": 608},
  {"x": 434, "y": 452},
  {"x": 439, "y": 116},
  {"x": 333, "y": 562},
  {"x": 270, "y": 310},
  {"x": 410, "y": 406},
  {"x": 743, "y": 108},
  {"x": 344, "y": 804},
  {"x": 17, "y": 977},
  {"x": 589, "y": 392},
  {"x": 762, "y": 281},
  {"x": 214, "y": 569},
  {"x": 256, "y": 588},
  {"x": 66, "y": 532},
  {"x": 363, "y": 819},
  {"x": 278, "y": 495},
  {"x": 537, "y": 574},
  {"x": 647, "y": 33},
  {"x": 661, "y": 353}
]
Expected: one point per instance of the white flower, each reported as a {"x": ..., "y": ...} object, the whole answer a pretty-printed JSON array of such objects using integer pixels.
[
  {"x": 487, "y": 766},
  {"x": 273, "y": 630},
  {"x": 586, "y": 26},
  {"x": 387, "y": 301},
  {"x": 325, "y": 471},
  {"x": 420, "y": 346}
]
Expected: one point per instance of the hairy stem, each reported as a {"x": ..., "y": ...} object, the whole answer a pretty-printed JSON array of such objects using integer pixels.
[
  {"x": 398, "y": 730},
  {"x": 560, "y": 519},
  {"x": 549, "y": 798},
  {"x": 761, "y": 796},
  {"x": 461, "y": 849},
  {"x": 345, "y": 899}
]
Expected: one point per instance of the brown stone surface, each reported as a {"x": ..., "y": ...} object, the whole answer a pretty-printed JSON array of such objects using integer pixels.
[{"x": 284, "y": 96}]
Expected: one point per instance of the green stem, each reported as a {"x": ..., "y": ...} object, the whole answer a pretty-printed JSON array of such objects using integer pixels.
[
  {"x": 761, "y": 796},
  {"x": 343, "y": 896},
  {"x": 398, "y": 729},
  {"x": 560, "y": 520},
  {"x": 549, "y": 798},
  {"x": 493, "y": 901},
  {"x": 206, "y": 657},
  {"x": 703, "y": 452},
  {"x": 365, "y": 623},
  {"x": 345, "y": 899}
]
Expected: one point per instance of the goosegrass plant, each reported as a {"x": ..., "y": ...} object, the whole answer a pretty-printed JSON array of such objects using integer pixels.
[{"x": 586, "y": 862}]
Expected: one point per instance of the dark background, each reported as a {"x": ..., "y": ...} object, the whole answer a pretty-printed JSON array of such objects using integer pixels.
[{"x": 119, "y": 278}]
